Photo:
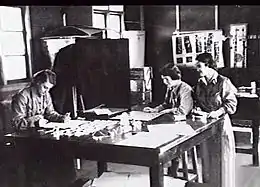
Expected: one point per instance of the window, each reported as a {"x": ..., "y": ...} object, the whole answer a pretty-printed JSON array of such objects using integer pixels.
[
  {"x": 109, "y": 18},
  {"x": 13, "y": 48}
]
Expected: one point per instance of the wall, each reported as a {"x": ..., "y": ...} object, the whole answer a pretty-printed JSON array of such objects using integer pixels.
[
  {"x": 45, "y": 18},
  {"x": 197, "y": 17},
  {"x": 79, "y": 15},
  {"x": 159, "y": 25}
]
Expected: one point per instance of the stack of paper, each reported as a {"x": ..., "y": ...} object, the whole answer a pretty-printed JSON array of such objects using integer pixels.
[{"x": 112, "y": 179}]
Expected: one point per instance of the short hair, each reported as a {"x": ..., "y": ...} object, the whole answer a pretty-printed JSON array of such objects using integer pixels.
[
  {"x": 171, "y": 70},
  {"x": 207, "y": 59},
  {"x": 44, "y": 76}
]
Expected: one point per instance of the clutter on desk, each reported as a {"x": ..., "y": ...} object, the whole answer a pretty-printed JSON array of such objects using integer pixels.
[
  {"x": 95, "y": 130},
  {"x": 247, "y": 89},
  {"x": 80, "y": 128}
]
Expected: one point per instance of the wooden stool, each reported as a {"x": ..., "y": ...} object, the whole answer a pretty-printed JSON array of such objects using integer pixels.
[{"x": 185, "y": 170}]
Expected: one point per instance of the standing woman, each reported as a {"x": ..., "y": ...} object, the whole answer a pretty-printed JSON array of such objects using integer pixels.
[{"x": 215, "y": 94}]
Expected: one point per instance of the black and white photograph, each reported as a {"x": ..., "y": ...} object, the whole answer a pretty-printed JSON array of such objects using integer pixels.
[{"x": 114, "y": 95}]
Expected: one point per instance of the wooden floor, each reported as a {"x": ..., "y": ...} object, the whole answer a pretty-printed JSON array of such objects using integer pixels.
[{"x": 246, "y": 174}]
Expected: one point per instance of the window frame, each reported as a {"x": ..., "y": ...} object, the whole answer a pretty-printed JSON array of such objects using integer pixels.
[
  {"x": 106, "y": 13},
  {"x": 26, "y": 32}
]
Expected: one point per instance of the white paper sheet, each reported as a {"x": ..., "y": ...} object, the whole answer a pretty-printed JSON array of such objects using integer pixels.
[
  {"x": 140, "y": 115},
  {"x": 180, "y": 128},
  {"x": 100, "y": 111},
  {"x": 158, "y": 134},
  {"x": 148, "y": 139},
  {"x": 111, "y": 179},
  {"x": 70, "y": 124}
]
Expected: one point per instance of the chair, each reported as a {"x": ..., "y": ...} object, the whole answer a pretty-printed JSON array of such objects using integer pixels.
[
  {"x": 247, "y": 119},
  {"x": 189, "y": 174}
]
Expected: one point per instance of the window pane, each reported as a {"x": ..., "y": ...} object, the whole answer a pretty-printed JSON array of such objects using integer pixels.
[
  {"x": 100, "y": 7},
  {"x": 116, "y": 8},
  {"x": 112, "y": 34},
  {"x": 11, "y": 19},
  {"x": 98, "y": 20},
  {"x": 14, "y": 67},
  {"x": 113, "y": 22},
  {"x": 12, "y": 43}
]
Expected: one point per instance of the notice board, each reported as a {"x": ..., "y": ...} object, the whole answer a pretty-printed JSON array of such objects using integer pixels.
[{"x": 187, "y": 45}]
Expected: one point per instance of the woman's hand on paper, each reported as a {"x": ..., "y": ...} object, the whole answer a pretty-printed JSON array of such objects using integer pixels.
[
  {"x": 35, "y": 118},
  {"x": 166, "y": 111},
  {"x": 42, "y": 122},
  {"x": 215, "y": 114},
  {"x": 66, "y": 118},
  {"x": 149, "y": 109},
  {"x": 198, "y": 112}
]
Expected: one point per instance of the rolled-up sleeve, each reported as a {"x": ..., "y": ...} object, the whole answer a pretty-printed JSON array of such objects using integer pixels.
[
  {"x": 186, "y": 102},
  {"x": 50, "y": 113},
  {"x": 229, "y": 97},
  {"x": 185, "y": 105}
]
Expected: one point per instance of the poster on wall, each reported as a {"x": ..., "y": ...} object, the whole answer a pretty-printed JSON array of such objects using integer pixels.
[
  {"x": 238, "y": 45},
  {"x": 187, "y": 45}
]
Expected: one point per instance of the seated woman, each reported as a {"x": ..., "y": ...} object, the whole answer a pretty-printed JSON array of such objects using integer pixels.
[
  {"x": 215, "y": 95},
  {"x": 33, "y": 104},
  {"x": 178, "y": 98}
]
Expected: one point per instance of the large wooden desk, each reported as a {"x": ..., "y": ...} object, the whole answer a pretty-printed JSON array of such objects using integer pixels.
[
  {"x": 249, "y": 109},
  {"x": 154, "y": 158}
]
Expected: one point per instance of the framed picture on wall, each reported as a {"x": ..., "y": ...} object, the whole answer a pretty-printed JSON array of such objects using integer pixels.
[
  {"x": 187, "y": 45},
  {"x": 238, "y": 45}
]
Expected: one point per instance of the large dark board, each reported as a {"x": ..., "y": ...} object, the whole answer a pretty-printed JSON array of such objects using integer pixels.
[{"x": 100, "y": 70}]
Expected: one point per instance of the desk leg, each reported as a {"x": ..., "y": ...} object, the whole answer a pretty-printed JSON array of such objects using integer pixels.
[
  {"x": 156, "y": 175},
  {"x": 255, "y": 129},
  {"x": 102, "y": 167}
]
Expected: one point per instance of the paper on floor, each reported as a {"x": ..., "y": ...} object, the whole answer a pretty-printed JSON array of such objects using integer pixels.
[{"x": 112, "y": 179}]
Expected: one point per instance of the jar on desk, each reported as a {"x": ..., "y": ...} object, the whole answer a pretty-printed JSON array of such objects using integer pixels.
[{"x": 136, "y": 126}]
